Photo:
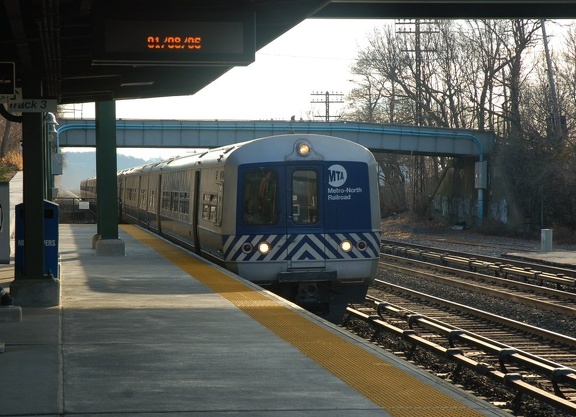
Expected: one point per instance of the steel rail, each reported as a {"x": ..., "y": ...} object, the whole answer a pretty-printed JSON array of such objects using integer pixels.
[
  {"x": 505, "y": 294},
  {"x": 513, "y": 380},
  {"x": 454, "y": 334},
  {"x": 537, "y": 331},
  {"x": 561, "y": 277}
]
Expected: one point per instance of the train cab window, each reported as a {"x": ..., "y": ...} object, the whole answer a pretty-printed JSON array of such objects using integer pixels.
[
  {"x": 260, "y": 197},
  {"x": 304, "y": 196}
]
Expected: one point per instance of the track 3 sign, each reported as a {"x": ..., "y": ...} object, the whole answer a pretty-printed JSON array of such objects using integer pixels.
[
  {"x": 16, "y": 104},
  {"x": 32, "y": 105}
]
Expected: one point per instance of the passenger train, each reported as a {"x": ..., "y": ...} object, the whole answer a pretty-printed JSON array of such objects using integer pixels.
[{"x": 296, "y": 214}]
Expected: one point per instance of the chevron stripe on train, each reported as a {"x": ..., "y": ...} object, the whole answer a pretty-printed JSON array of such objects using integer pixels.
[{"x": 304, "y": 247}]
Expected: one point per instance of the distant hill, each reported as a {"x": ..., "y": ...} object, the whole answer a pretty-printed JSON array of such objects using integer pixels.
[{"x": 80, "y": 165}]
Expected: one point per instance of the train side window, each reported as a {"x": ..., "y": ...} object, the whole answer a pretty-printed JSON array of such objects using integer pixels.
[
  {"x": 209, "y": 207},
  {"x": 260, "y": 197},
  {"x": 174, "y": 201},
  {"x": 143, "y": 199},
  {"x": 165, "y": 200},
  {"x": 184, "y": 203},
  {"x": 304, "y": 196},
  {"x": 152, "y": 199}
]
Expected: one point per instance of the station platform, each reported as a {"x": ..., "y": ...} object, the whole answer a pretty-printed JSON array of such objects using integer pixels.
[
  {"x": 557, "y": 258},
  {"x": 160, "y": 332}
]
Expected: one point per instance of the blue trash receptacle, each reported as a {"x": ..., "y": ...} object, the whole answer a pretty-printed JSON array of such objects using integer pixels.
[{"x": 51, "y": 219}]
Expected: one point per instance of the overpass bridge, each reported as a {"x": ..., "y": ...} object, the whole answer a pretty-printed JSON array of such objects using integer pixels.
[{"x": 416, "y": 140}]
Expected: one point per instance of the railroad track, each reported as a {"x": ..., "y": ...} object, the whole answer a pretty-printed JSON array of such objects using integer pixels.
[
  {"x": 538, "y": 296},
  {"x": 536, "y": 273},
  {"x": 454, "y": 241},
  {"x": 531, "y": 361}
]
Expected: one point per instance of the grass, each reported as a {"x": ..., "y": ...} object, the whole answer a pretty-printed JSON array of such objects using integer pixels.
[{"x": 10, "y": 164}]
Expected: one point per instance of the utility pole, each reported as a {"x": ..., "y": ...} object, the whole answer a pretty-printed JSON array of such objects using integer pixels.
[
  {"x": 414, "y": 26},
  {"x": 336, "y": 98}
]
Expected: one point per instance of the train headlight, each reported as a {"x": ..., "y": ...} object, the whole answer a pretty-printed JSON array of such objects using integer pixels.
[
  {"x": 264, "y": 248},
  {"x": 247, "y": 247},
  {"x": 346, "y": 245},
  {"x": 362, "y": 245},
  {"x": 303, "y": 149}
]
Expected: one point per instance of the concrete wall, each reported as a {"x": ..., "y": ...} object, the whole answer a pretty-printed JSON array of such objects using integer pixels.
[{"x": 456, "y": 200}]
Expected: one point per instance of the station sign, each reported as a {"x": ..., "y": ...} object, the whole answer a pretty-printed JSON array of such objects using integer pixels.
[
  {"x": 16, "y": 104},
  {"x": 175, "y": 40},
  {"x": 32, "y": 105}
]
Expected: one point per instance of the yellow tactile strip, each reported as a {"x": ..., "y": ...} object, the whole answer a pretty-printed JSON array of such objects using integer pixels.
[{"x": 397, "y": 392}]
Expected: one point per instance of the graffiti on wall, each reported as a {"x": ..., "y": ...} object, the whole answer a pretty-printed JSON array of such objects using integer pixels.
[{"x": 462, "y": 209}]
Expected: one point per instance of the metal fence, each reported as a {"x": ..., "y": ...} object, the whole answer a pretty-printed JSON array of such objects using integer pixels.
[{"x": 77, "y": 210}]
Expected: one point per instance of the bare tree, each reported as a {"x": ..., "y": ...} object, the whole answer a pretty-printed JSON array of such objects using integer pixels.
[
  {"x": 482, "y": 44},
  {"x": 5, "y": 138},
  {"x": 10, "y": 135},
  {"x": 524, "y": 33},
  {"x": 377, "y": 97},
  {"x": 565, "y": 73},
  {"x": 479, "y": 74}
]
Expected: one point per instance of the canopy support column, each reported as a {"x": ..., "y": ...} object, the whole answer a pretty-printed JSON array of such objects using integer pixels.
[{"x": 107, "y": 242}]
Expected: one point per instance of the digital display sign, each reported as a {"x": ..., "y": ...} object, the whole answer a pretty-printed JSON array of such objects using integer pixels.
[
  {"x": 175, "y": 42},
  {"x": 7, "y": 78}
]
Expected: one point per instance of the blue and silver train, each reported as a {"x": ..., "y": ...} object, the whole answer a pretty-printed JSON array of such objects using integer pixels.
[{"x": 296, "y": 214}]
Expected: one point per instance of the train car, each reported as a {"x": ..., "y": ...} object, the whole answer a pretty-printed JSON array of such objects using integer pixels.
[
  {"x": 88, "y": 188},
  {"x": 296, "y": 214}
]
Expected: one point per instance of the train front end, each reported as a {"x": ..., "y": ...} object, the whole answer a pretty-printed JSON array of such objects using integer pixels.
[{"x": 308, "y": 220}]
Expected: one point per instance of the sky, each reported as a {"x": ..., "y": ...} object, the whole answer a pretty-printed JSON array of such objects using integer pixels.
[
  {"x": 313, "y": 57},
  {"x": 316, "y": 55}
]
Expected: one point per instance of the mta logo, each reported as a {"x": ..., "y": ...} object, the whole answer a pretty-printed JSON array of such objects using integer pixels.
[{"x": 337, "y": 175}]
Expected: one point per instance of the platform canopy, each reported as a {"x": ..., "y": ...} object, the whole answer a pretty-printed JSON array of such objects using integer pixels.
[{"x": 92, "y": 50}]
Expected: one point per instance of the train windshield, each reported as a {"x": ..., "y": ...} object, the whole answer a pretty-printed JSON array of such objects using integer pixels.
[
  {"x": 261, "y": 197},
  {"x": 304, "y": 196}
]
